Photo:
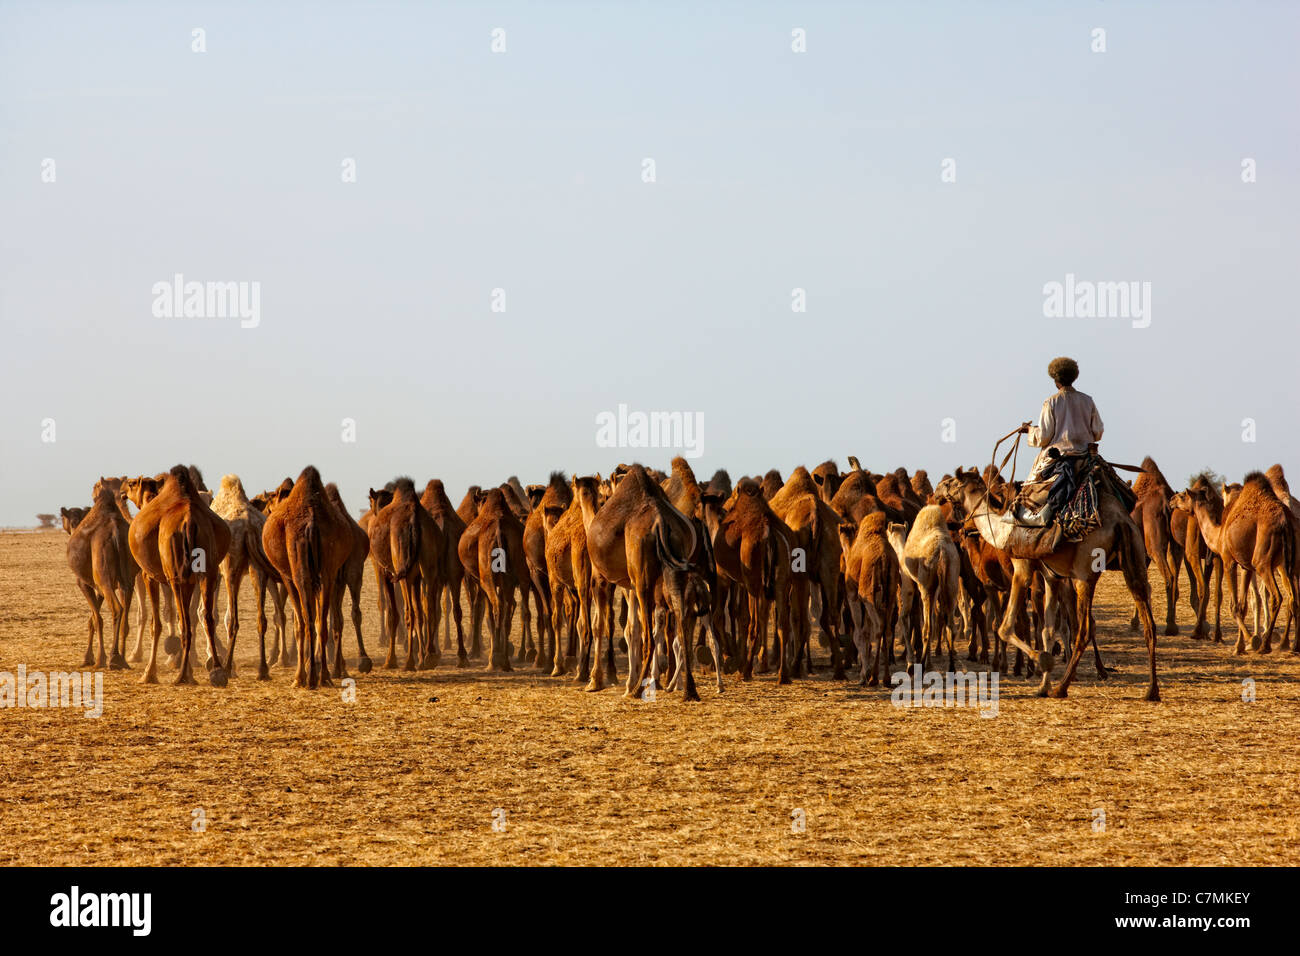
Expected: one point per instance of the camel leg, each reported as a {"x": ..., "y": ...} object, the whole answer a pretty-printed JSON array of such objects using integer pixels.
[
  {"x": 182, "y": 599},
  {"x": 1007, "y": 629},
  {"x": 94, "y": 623},
  {"x": 150, "y": 675},
  {"x": 233, "y": 579},
  {"x": 217, "y": 675},
  {"x": 1239, "y": 609},
  {"x": 260, "y": 582},
  {"x": 364, "y": 664},
  {"x": 142, "y": 587},
  {"x": 117, "y": 659},
  {"x": 1083, "y": 603},
  {"x": 1272, "y": 601}
]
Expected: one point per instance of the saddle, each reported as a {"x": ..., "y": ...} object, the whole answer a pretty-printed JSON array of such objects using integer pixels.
[{"x": 1084, "y": 478}]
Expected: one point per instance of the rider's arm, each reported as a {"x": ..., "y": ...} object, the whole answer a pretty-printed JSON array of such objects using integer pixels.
[
  {"x": 1094, "y": 423},
  {"x": 1042, "y": 434}
]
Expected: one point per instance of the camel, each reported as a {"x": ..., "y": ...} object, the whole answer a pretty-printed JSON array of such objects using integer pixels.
[
  {"x": 827, "y": 478},
  {"x": 814, "y": 526},
  {"x": 922, "y": 487},
  {"x": 245, "y": 522},
  {"x": 1277, "y": 479},
  {"x": 754, "y": 546},
  {"x": 407, "y": 544},
  {"x": 439, "y": 506},
  {"x": 307, "y": 543},
  {"x": 1118, "y": 540},
  {"x": 467, "y": 511},
  {"x": 178, "y": 541},
  {"x": 1254, "y": 532},
  {"x": 99, "y": 554},
  {"x": 1152, "y": 515},
  {"x": 350, "y": 577},
  {"x": 492, "y": 552},
  {"x": 931, "y": 560},
  {"x": 548, "y": 502},
  {"x": 635, "y": 539},
  {"x": 871, "y": 589},
  {"x": 570, "y": 573},
  {"x": 772, "y": 483}
]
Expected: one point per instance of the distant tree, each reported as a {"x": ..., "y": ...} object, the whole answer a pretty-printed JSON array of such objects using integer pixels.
[{"x": 47, "y": 521}]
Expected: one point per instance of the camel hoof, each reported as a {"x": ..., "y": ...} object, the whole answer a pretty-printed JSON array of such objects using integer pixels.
[
  {"x": 593, "y": 686},
  {"x": 1171, "y": 630},
  {"x": 1059, "y": 694},
  {"x": 390, "y": 663},
  {"x": 263, "y": 672},
  {"x": 1153, "y": 694},
  {"x": 171, "y": 644},
  {"x": 364, "y": 665},
  {"x": 149, "y": 678},
  {"x": 462, "y": 661},
  {"x": 183, "y": 679},
  {"x": 730, "y": 665},
  {"x": 217, "y": 677},
  {"x": 88, "y": 660},
  {"x": 118, "y": 663}
]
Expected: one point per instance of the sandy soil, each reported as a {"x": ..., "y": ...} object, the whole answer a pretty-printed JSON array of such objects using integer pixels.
[{"x": 417, "y": 768}]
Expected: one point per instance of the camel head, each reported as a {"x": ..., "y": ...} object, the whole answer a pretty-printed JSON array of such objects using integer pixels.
[
  {"x": 142, "y": 490},
  {"x": 379, "y": 499},
  {"x": 72, "y": 517},
  {"x": 772, "y": 483},
  {"x": 827, "y": 478},
  {"x": 854, "y": 464},
  {"x": 587, "y": 491}
]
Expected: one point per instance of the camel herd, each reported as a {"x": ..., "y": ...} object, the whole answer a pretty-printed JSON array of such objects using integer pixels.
[{"x": 720, "y": 577}]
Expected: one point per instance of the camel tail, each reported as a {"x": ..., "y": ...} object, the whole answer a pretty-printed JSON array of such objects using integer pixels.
[
  {"x": 664, "y": 547},
  {"x": 406, "y": 549},
  {"x": 770, "y": 557},
  {"x": 257, "y": 555},
  {"x": 309, "y": 549},
  {"x": 183, "y": 547},
  {"x": 947, "y": 568}
]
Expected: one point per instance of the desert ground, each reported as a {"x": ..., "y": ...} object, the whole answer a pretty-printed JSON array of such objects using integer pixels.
[{"x": 417, "y": 769}]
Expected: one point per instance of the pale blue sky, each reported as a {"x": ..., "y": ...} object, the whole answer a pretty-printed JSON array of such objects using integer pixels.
[{"x": 522, "y": 171}]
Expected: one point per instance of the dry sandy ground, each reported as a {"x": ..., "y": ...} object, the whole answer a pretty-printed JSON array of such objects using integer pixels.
[{"x": 413, "y": 771}]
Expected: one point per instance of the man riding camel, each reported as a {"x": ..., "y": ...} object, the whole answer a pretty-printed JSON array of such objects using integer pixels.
[{"x": 1067, "y": 426}]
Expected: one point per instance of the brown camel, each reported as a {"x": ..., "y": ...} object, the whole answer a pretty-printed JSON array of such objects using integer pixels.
[
  {"x": 408, "y": 546},
  {"x": 308, "y": 543},
  {"x": 757, "y": 544},
  {"x": 467, "y": 511},
  {"x": 549, "y": 502},
  {"x": 1152, "y": 514},
  {"x": 447, "y": 519},
  {"x": 871, "y": 590},
  {"x": 571, "y": 576},
  {"x": 99, "y": 554},
  {"x": 350, "y": 579},
  {"x": 635, "y": 539},
  {"x": 931, "y": 560},
  {"x": 1254, "y": 532},
  {"x": 1118, "y": 540},
  {"x": 815, "y": 528},
  {"x": 245, "y": 522},
  {"x": 178, "y": 541},
  {"x": 492, "y": 552}
]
